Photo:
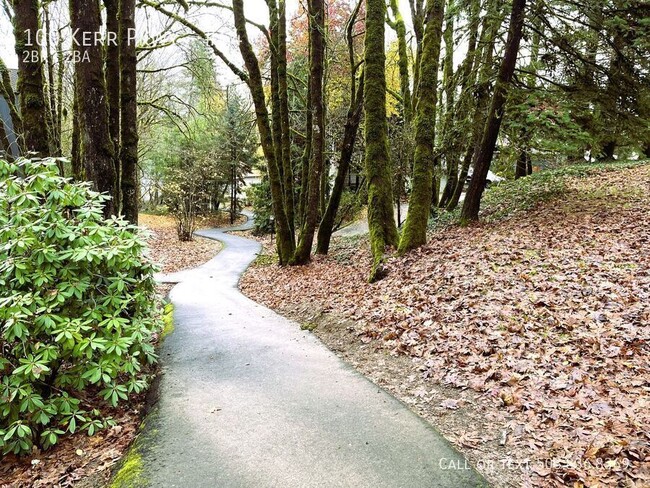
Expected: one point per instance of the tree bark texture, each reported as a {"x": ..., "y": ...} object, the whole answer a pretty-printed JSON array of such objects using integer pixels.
[
  {"x": 97, "y": 152},
  {"x": 483, "y": 158},
  {"x": 285, "y": 240},
  {"x": 381, "y": 221},
  {"x": 316, "y": 9},
  {"x": 112, "y": 56},
  {"x": 33, "y": 109},
  {"x": 415, "y": 227},
  {"x": 128, "y": 156}
]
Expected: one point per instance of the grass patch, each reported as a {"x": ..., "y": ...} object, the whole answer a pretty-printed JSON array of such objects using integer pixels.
[
  {"x": 168, "y": 320},
  {"x": 263, "y": 260},
  {"x": 510, "y": 197}
]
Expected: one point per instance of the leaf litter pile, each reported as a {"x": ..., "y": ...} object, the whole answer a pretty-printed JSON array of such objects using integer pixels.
[
  {"x": 84, "y": 461},
  {"x": 171, "y": 254},
  {"x": 539, "y": 324}
]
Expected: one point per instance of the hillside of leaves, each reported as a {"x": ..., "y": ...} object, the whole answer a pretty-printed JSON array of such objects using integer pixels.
[{"x": 543, "y": 311}]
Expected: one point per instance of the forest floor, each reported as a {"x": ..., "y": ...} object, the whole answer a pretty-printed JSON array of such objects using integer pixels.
[
  {"x": 87, "y": 462},
  {"x": 523, "y": 339}
]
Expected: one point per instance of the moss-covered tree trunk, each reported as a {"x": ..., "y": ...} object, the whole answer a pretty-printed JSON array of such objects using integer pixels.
[
  {"x": 112, "y": 53},
  {"x": 381, "y": 221},
  {"x": 285, "y": 240},
  {"x": 399, "y": 27},
  {"x": 448, "y": 143},
  {"x": 97, "y": 152},
  {"x": 417, "y": 17},
  {"x": 350, "y": 130},
  {"x": 129, "y": 181},
  {"x": 483, "y": 158},
  {"x": 276, "y": 119},
  {"x": 316, "y": 9},
  {"x": 60, "y": 59},
  {"x": 415, "y": 227},
  {"x": 33, "y": 108},
  {"x": 304, "y": 162},
  {"x": 285, "y": 138}
]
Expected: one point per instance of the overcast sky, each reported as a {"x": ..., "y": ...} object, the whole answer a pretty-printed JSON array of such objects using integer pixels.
[{"x": 219, "y": 23}]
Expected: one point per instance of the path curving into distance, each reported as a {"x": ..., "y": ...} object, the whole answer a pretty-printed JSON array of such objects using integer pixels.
[{"x": 247, "y": 399}]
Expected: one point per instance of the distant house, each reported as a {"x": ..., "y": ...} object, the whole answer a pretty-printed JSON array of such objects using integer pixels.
[{"x": 5, "y": 117}]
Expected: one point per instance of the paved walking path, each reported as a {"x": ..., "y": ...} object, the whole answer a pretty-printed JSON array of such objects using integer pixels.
[{"x": 247, "y": 399}]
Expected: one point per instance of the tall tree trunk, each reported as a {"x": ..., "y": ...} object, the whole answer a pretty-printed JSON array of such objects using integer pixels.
[
  {"x": 523, "y": 159},
  {"x": 316, "y": 9},
  {"x": 304, "y": 162},
  {"x": 415, "y": 227},
  {"x": 285, "y": 240},
  {"x": 479, "y": 81},
  {"x": 96, "y": 147},
  {"x": 449, "y": 146},
  {"x": 285, "y": 138},
  {"x": 276, "y": 119},
  {"x": 381, "y": 220},
  {"x": 54, "y": 135},
  {"x": 60, "y": 70},
  {"x": 31, "y": 92},
  {"x": 129, "y": 181},
  {"x": 78, "y": 172},
  {"x": 350, "y": 130},
  {"x": 521, "y": 167},
  {"x": 483, "y": 159},
  {"x": 113, "y": 87},
  {"x": 399, "y": 27},
  {"x": 347, "y": 150},
  {"x": 417, "y": 17}
]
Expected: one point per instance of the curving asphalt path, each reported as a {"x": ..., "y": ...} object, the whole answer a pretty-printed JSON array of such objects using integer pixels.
[{"x": 247, "y": 399}]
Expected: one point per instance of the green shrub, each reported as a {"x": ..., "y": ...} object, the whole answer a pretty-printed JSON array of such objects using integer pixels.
[
  {"x": 259, "y": 195},
  {"x": 78, "y": 308}
]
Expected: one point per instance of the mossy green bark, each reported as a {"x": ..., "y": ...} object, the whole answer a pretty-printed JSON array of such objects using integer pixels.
[
  {"x": 402, "y": 48},
  {"x": 316, "y": 9},
  {"x": 381, "y": 221},
  {"x": 285, "y": 239},
  {"x": 415, "y": 227},
  {"x": 285, "y": 137},
  {"x": 352, "y": 122},
  {"x": 449, "y": 82}
]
